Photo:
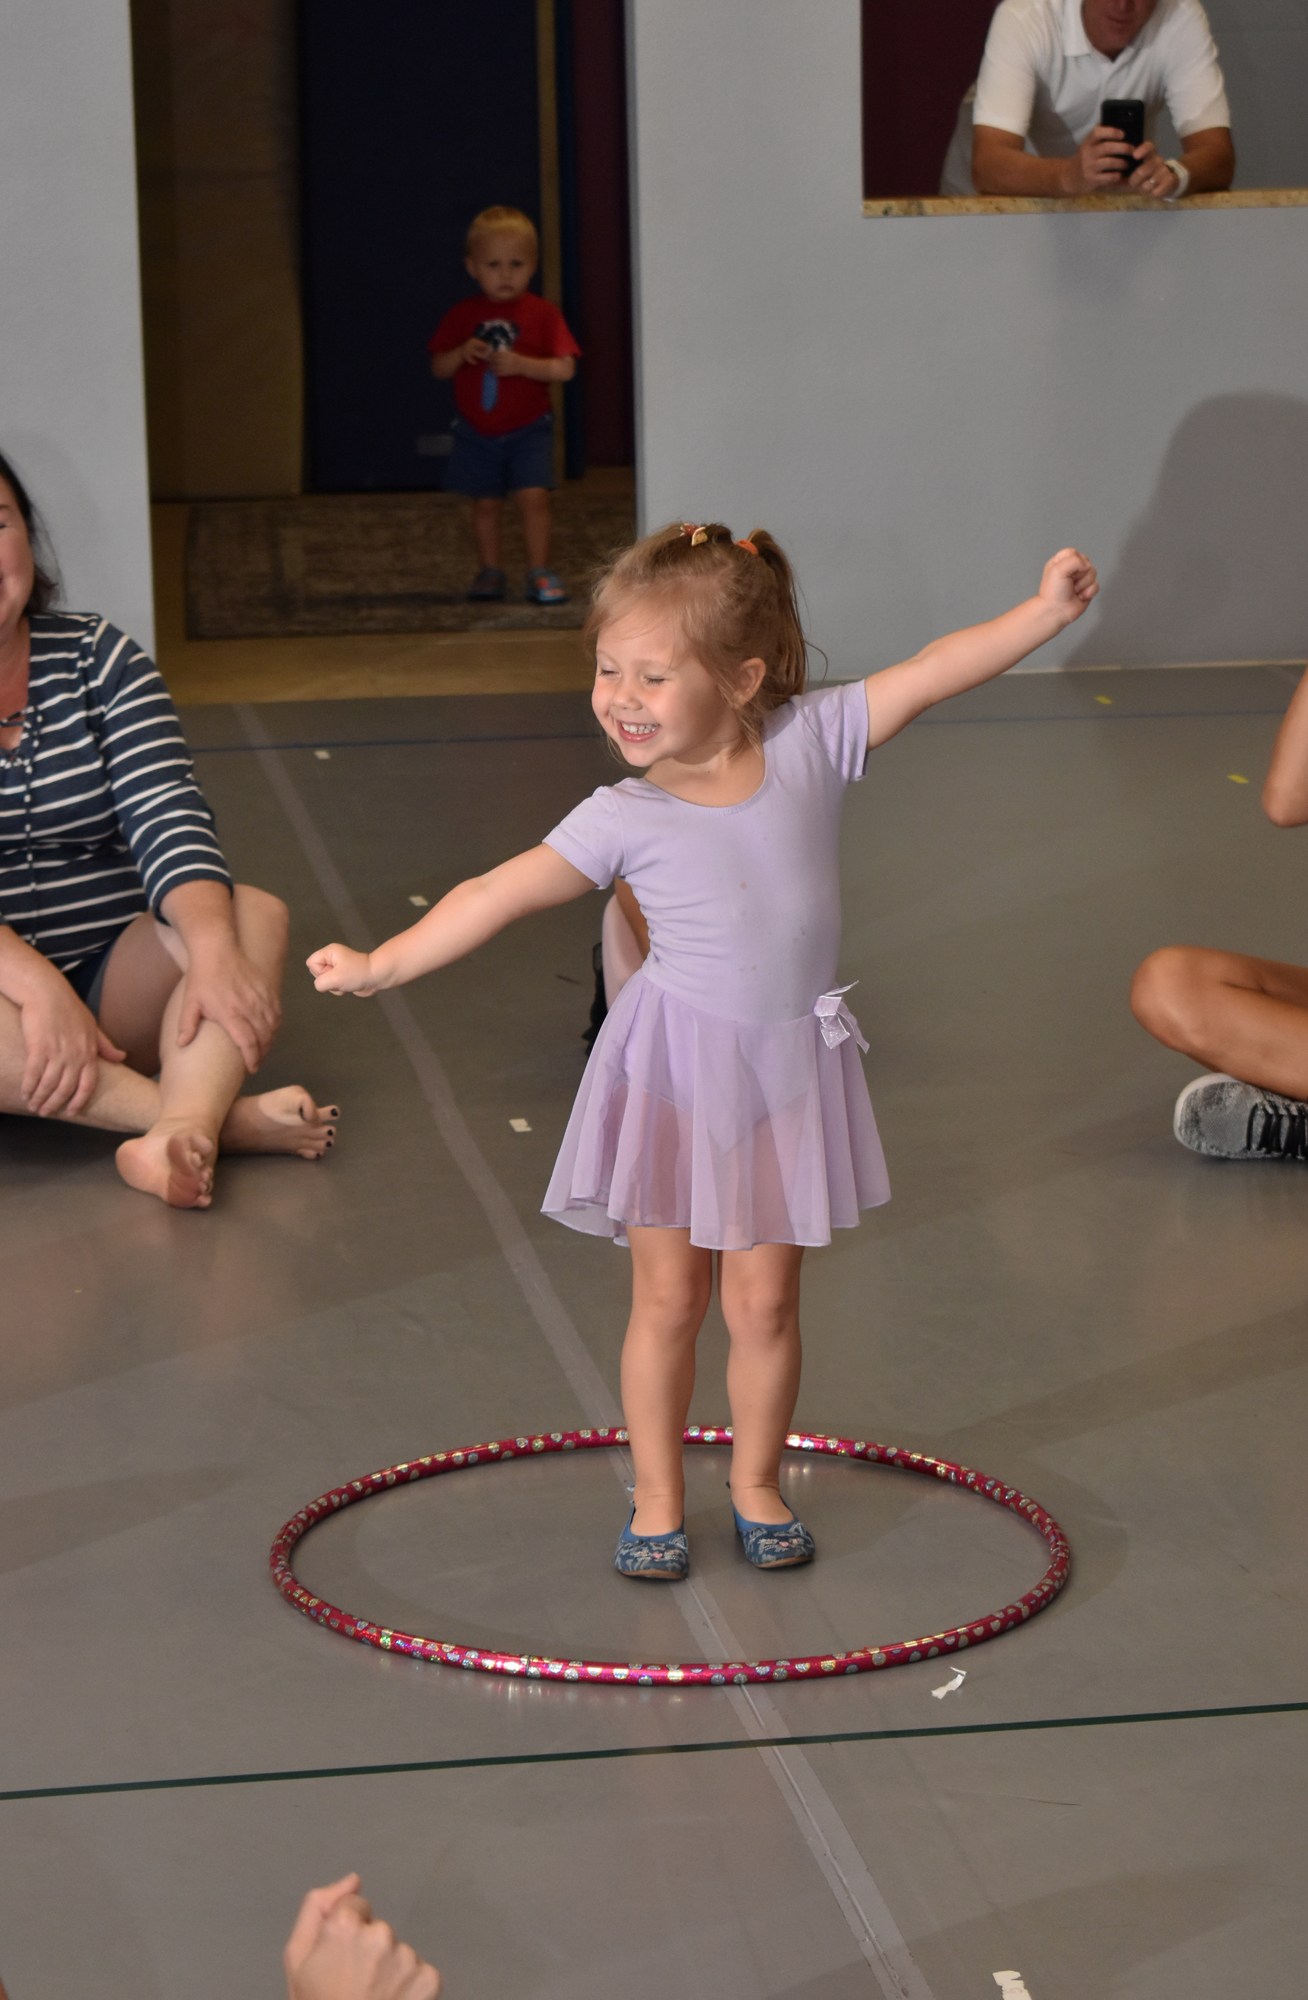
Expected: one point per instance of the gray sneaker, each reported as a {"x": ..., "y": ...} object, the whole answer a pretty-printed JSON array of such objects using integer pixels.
[{"x": 1229, "y": 1120}]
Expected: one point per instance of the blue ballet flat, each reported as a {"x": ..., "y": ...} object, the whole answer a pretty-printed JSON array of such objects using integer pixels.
[
  {"x": 775, "y": 1544},
  {"x": 662, "y": 1558}
]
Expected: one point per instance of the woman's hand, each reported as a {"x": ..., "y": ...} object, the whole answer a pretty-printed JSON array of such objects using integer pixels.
[
  {"x": 64, "y": 1047},
  {"x": 222, "y": 985},
  {"x": 1068, "y": 584},
  {"x": 336, "y": 969}
]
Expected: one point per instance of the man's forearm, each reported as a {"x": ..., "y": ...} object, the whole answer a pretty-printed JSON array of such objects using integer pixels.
[
  {"x": 1209, "y": 159},
  {"x": 1001, "y": 169}
]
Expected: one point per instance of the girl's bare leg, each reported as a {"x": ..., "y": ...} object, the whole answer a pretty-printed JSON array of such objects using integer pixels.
[
  {"x": 759, "y": 1290},
  {"x": 1246, "y": 1016},
  {"x": 671, "y": 1281},
  {"x": 198, "y": 1108}
]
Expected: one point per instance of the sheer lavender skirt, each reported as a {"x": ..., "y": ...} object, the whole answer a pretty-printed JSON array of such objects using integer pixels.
[{"x": 742, "y": 1132}]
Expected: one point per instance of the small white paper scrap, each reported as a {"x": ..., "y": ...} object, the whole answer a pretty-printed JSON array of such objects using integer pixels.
[
  {"x": 419, "y": 902},
  {"x": 519, "y": 1125},
  {"x": 949, "y": 1687},
  {"x": 1011, "y": 1986},
  {"x": 322, "y": 755}
]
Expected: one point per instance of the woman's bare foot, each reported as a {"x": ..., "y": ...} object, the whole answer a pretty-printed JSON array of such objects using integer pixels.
[
  {"x": 172, "y": 1160},
  {"x": 279, "y": 1121}
]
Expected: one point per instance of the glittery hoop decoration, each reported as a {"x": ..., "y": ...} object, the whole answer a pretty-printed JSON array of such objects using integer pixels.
[{"x": 686, "y": 1673}]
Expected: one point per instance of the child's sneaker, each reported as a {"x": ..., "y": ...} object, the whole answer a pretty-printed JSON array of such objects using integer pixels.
[
  {"x": 545, "y": 586},
  {"x": 1229, "y": 1120},
  {"x": 487, "y": 587}
]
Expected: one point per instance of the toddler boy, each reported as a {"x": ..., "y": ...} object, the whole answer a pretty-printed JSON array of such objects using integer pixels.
[{"x": 503, "y": 349}]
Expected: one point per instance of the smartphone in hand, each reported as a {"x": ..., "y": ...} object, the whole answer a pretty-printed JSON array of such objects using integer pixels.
[{"x": 1127, "y": 116}]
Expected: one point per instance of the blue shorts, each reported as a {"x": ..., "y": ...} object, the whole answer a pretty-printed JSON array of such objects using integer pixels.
[{"x": 489, "y": 467}]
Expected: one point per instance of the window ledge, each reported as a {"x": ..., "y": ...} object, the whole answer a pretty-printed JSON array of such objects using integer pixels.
[{"x": 1080, "y": 204}]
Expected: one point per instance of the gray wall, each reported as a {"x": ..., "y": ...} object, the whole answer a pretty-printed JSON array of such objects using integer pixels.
[
  {"x": 1264, "y": 49},
  {"x": 922, "y": 411},
  {"x": 71, "y": 404}
]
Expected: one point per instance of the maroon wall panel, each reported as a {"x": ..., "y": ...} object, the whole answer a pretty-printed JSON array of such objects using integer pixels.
[
  {"x": 603, "y": 228},
  {"x": 919, "y": 56}
]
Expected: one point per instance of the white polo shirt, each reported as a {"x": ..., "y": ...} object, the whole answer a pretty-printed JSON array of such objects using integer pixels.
[
  {"x": 1045, "y": 81},
  {"x": 1042, "y": 78}
]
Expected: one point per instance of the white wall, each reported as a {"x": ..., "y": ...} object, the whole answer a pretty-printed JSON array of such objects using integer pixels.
[
  {"x": 923, "y": 410},
  {"x": 72, "y": 414}
]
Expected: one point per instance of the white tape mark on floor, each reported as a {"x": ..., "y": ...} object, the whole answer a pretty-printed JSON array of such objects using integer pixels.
[
  {"x": 1011, "y": 1986},
  {"x": 824, "y": 1832}
]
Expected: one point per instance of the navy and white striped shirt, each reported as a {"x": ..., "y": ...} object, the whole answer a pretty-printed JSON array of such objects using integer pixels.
[{"x": 100, "y": 814}]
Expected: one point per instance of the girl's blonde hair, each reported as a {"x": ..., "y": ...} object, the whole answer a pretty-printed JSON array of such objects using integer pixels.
[{"x": 730, "y": 601}]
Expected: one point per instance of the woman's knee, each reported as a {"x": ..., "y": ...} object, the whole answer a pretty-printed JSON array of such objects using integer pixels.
[
  {"x": 677, "y": 1301},
  {"x": 262, "y": 910}
]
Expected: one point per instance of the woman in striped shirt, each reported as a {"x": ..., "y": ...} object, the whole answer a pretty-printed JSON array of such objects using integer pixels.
[{"x": 138, "y": 987}]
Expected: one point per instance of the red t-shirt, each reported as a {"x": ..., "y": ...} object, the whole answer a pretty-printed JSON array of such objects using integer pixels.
[{"x": 528, "y": 324}]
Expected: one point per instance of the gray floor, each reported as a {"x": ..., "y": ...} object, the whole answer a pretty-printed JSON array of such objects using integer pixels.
[{"x": 1057, "y": 1293}]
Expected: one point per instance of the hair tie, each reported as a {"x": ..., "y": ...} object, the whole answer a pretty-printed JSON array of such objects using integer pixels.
[
  {"x": 745, "y": 543},
  {"x": 696, "y": 533}
]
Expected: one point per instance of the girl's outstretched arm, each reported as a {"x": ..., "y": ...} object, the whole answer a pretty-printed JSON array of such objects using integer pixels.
[
  {"x": 964, "y": 659},
  {"x": 470, "y": 914}
]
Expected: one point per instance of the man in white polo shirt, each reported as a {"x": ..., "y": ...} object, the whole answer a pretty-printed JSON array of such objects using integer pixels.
[{"x": 1048, "y": 66}]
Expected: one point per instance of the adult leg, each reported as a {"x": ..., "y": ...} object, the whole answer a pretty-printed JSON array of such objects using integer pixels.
[
  {"x": 486, "y": 519},
  {"x": 759, "y": 1289},
  {"x": 1246, "y": 1016},
  {"x": 671, "y": 1281},
  {"x": 199, "y": 1109},
  {"x": 122, "y": 1100},
  {"x": 534, "y": 509}
]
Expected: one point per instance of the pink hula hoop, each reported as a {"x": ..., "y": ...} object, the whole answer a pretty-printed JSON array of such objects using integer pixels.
[{"x": 685, "y": 1673}]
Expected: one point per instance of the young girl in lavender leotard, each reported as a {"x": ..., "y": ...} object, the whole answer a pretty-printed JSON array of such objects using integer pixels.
[{"x": 723, "y": 1108}]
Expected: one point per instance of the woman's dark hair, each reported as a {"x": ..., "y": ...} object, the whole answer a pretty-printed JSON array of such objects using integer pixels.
[{"x": 45, "y": 581}]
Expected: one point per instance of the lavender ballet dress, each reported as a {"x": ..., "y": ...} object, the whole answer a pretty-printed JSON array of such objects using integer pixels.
[{"x": 725, "y": 1093}]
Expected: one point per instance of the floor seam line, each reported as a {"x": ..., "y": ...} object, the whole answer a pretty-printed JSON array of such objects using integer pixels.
[
  {"x": 615, "y": 1753},
  {"x": 885, "y": 1951}
]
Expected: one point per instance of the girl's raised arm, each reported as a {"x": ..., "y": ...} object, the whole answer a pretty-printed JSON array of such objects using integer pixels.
[
  {"x": 979, "y": 653},
  {"x": 471, "y": 913}
]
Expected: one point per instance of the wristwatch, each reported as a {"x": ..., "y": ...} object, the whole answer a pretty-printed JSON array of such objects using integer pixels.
[{"x": 1182, "y": 180}]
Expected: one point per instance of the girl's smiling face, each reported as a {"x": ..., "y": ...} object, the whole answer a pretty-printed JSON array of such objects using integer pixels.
[{"x": 656, "y": 701}]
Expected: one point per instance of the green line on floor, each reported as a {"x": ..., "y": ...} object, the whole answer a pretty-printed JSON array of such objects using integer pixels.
[{"x": 830, "y": 1736}]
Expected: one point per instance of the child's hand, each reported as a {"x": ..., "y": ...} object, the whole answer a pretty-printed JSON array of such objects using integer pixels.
[
  {"x": 337, "y": 969},
  {"x": 338, "y": 1951},
  {"x": 473, "y": 351},
  {"x": 505, "y": 362},
  {"x": 1069, "y": 583}
]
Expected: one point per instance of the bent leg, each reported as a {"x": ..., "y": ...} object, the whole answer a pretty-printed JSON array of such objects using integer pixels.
[
  {"x": 122, "y": 1101},
  {"x": 759, "y": 1289},
  {"x": 1246, "y": 1016},
  {"x": 671, "y": 1281},
  {"x": 198, "y": 1083}
]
